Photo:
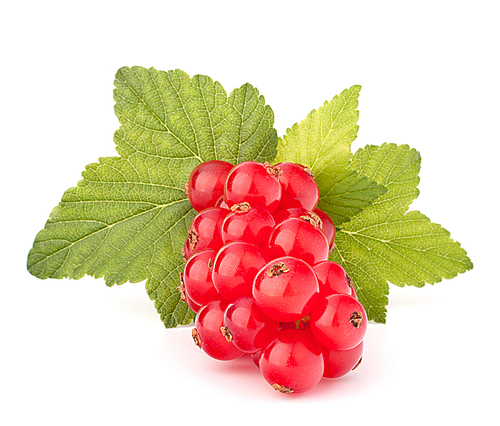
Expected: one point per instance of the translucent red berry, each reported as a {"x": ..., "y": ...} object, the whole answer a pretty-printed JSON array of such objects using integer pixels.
[
  {"x": 249, "y": 224},
  {"x": 249, "y": 329},
  {"x": 339, "y": 363},
  {"x": 299, "y": 188},
  {"x": 293, "y": 362},
  {"x": 197, "y": 277},
  {"x": 235, "y": 268},
  {"x": 206, "y": 183},
  {"x": 205, "y": 231},
  {"x": 297, "y": 237},
  {"x": 254, "y": 183},
  {"x": 338, "y": 322},
  {"x": 207, "y": 332},
  {"x": 332, "y": 278},
  {"x": 286, "y": 289}
]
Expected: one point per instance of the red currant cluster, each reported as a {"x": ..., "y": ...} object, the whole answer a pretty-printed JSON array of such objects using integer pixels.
[{"x": 257, "y": 274}]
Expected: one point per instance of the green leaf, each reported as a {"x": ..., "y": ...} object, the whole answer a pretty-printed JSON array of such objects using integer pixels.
[
  {"x": 385, "y": 243},
  {"x": 322, "y": 142},
  {"x": 127, "y": 219}
]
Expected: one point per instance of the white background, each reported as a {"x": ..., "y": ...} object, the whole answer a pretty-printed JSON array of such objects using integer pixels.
[{"x": 80, "y": 353}]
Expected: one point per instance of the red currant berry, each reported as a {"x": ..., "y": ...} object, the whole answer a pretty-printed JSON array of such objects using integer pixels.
[
  {"x": 299, "y": 188},
  {"x": 298, "y": 238},
  {"x": 327, "y": 227},
  {"x": 338, "y": 322},
  {"x": 207, "y": 332},
  {"x": 255, "y": 183},
  {"x": 205, "y": 231},
  {"x": 249, "y": 224},
  {"x": 235, "y": 268},
  {"x": 293, "y": 362},
  {"x": 249, "y": 329},
  {"x": 197, "y": 277},
  {"x": 332, "y": 278},
  {"x": 339, "y": 363},
  {"x": 286, "y": 289},
  {"x": 206, "y": 183}
]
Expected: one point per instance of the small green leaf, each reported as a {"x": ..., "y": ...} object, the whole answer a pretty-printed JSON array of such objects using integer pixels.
[
  {"x": 322, "y": 142},
  {"x": 128, "y": 218},
  {"x": 385, "y": 243}
]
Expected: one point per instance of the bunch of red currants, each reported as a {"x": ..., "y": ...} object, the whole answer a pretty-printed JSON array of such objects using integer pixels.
[{"x": 257, "y": 274}]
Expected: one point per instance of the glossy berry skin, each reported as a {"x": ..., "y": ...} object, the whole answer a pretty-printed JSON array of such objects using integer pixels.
[
  {"x": 339, "y": 363},
  {"x": 206, "y": 183},
  {"x": 205, "y": 231},
  {"x": 327, "y": 227},
  {"x": 197, "y": 277},
  {"x": 299, "y": 188},
  {"x": 252, "y": 225},
  {"x": 207, "y": 332},
  {"x": 235, "y": 267},
  {"x": 332, "y": 278},
  {"x": 338, "y": 322},
  {"x": 286, "y": 289},
  {"x": 297, "y": 237},
  {"x": 254, "y": 183},
  {"x": 249, "y": 328},
  {"x": 293, "y": 362}
]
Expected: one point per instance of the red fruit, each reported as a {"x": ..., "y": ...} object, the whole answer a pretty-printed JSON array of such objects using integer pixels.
[
  {"x": 254, "y": 183},
  {"x": 293, "y": 362},
  {"x": 339, "y": 363},
  {"x": 207, "y": 332},
  {"x": 298, "y": 238},
  {"x": 249, "y": 224},
  {"x": 205, "y": 231},
  {"x": 299, "y": 188},
  {"x": 235, "y": 268},
  {"x": 206, "y": 183},
  {"x": 338, "y": 322},
  {"x": 332, "y": 278},
  {"x": 286, "y": 289},
  {"x": 247, "y": 327},
  {"x": 197, "y": 277}
]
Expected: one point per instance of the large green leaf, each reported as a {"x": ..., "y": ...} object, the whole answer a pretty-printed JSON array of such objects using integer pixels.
[
  {"x": 385, "y": 243},
  {"x": 322, "y": 142},
  {"x": 127, "y": 219}
]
